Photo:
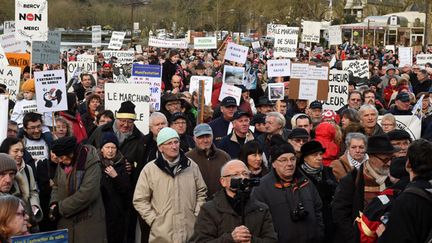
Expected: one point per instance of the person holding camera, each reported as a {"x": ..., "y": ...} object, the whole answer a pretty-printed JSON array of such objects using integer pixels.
[
  {"x": 294, "y": 202},
  {"x": 231, "y": 216}
]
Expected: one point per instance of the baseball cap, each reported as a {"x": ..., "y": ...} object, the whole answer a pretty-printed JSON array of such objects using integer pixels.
[
  {"x": 202, "y": 129},
  {"x": 402, "y": 96},
  {"x": 240, "y": 113},
  {"x": 228, "y": 101},
  {"x": 315, "y": 105}
]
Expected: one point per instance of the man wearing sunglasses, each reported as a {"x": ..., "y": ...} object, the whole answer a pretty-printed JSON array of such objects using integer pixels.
[{"x": 360, "y": 186}]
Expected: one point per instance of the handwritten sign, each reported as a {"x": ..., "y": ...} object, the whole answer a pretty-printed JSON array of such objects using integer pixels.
[
  {"x": 230, "y": 90},
  {"x": 236, "y": 53},
  {"x": 116, "y": 40},
  {"x": 308, "y": 89},
  {"x": 122, "y": 56},
  {"x": 335, "y": 35},
  {"x": 286, "y": 40},
  {"x": 311, "y": 31},
  {"x": 358, "y": 68},
  {"x": 47, "y": 52},
  {"x": 422, "y": 59},
  {"x": 279, "y": 68},
  {"x": 8, "y": 26},
  {"x": 18, "y": 59},
  {"x": 11, "y": 45},
  {"x": 338, "y": 90},
  {"x": 405, "y": 56},
  {"x": 168, "y": 43},
  {"x": 306, "y": 71},
  {"x": 96, "y": 36}
]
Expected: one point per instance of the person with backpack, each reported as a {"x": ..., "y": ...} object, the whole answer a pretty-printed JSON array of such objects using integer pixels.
[{"x": 410, "y": 216}]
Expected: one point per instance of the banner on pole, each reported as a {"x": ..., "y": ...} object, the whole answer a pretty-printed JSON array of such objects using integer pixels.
[
  {"x": 167, "y": 43},
  {"x": 51, "y": 92},
  {"x": 31, "y": 20},
  {"x": 205, "y": 43}
]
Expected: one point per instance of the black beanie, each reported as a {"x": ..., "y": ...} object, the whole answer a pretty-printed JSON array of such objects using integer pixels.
[
  {"x": 64, "y": 146},
  {"x": 109, "y": 137},
  {"x": 278, "y": 150},
  {"x": 126, "y": 111}
]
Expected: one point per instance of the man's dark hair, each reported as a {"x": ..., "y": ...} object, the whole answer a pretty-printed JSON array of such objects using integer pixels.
[
  {"x": 106, "y": 113},
  {"x": 369, "y": 91},
  {"x": 31, "y": 117},
  {"x": 418, "y": 156},
  {"x": 355, "y": 92},
  {"x": 304, "y": 117},
  {"x": 12, "y": 123}
]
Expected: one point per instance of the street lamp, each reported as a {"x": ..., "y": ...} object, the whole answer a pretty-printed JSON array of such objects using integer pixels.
[{"x": 133, "y": 4}]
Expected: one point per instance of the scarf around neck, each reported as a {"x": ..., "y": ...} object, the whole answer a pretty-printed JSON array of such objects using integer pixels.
[
  {"x": 379, "y": 178},
  {"x": 356, "y": 163}
]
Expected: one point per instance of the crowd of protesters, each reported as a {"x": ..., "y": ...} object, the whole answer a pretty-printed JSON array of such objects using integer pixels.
[{"x": 325, "y": 176}]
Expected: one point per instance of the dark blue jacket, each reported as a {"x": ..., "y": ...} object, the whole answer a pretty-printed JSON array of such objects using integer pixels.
[
  {"x": 220, "y": 129},
  {"x": 231, "y": 146}
]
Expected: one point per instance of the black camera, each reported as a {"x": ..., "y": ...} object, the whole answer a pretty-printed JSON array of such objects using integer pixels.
[
  {"x": 299, "y": 213},
  {"x": 244, "y": 183}
]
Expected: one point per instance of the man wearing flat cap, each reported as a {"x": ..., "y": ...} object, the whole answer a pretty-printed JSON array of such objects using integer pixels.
[{"x": 361, "y": 186}]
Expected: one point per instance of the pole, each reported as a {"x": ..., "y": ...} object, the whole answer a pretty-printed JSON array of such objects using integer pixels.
[
  {"x": 427, "y": 25},
  {"x": 200, "y": 116},
  {"x": 132, "y": 22}
]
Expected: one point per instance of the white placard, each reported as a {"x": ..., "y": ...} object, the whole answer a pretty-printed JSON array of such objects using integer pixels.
[
  {"x": 3, "y": 58},
  {"x": 31, "y": 20},
  {"x": 138, "y": 49},
  {"x": 122, "y": 56},
  {"x": 85, "y": 58},
  {"x": 81, "y": 67},
  {"x": 318, "y": 73},
  {"x": 286, "y": 40},
  {"x": 279, "y": 68},
  {"x": 271, "y": 29},
  {"x": 51, "y": 92},
  {"x": 47, "y": 52},
  {"x": 299, "y": 70},
  {"x": 335, "y": 35},
  {"x": 208, "y": 87},
  {"x": 11, "y": 45},
  {"x": 138, "y": 94},
  {"x": 4, "y": 110},
  {"x": 405, "y": 56},
  {"x": 205, "y": 43},
  {"x": 233, "y": 75},
  {"x": 358, "y": 68},
  {"x": 422, "y": 59},
  {"x": 230, "y": 90},
  {"x": 96, "y": 36},
  {"x": 311, "y": 31},
  {"x": 8, "y": 26},
  {"x": 168, "y": 43},
  {"x": 390, "y": 48},
  {"x": 10, "y": 76},
  {"x": 116, "y": 40},
  {"x": 236, "y": 53},
  {"x": 276, "y": 91},
  {"x": 308, "y": 89},
  {"x": 256, "y": 45},
  {"x": 411, "y": 124},
  {"x": 338, "y": 90}
]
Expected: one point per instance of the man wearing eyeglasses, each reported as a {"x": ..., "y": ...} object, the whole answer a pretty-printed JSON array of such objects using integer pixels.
[
  {"x": 170, "y": 191},
  {"x": 220, "y": 219},
  {"x": 362, "y": 185}
]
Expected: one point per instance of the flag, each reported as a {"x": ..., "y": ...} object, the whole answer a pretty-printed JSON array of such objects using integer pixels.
[{"x": 417, "y": 109}]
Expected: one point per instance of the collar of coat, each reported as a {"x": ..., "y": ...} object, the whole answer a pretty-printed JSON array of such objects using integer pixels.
[
  {"x": 209, "y": 154},
  {"x": 223, "y": 206},
  {"x": 249, "y": 137},
  {"x": 163, "y": 164}
]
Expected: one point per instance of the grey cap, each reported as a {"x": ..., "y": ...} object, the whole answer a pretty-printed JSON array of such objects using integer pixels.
[
  {"x": 202, "y": 129},
  {"x": 7, "y": 163}
]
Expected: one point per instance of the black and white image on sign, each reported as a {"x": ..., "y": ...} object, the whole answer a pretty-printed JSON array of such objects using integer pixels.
[
  {"x": 276, "y": 91},
  {"x": 233, "y": 75}
]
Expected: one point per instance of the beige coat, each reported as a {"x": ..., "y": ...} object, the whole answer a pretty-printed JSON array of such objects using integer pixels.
[{"x": 170, "y": 202}]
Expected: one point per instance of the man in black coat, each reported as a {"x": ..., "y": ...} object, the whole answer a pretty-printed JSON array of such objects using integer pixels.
[
  {"x": 220, "y": 219},
  {"x": 410, "y": 217}
]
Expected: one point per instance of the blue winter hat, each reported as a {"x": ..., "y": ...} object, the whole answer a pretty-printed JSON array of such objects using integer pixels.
[
  {"x": 166, "y": 134},
  {"x": 109, "y": 137}
]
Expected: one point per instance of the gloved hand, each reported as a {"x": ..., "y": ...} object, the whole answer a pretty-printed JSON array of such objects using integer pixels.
[{"x": 54, "y": 213}]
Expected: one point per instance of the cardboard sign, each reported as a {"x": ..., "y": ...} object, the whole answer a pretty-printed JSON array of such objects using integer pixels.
[
  {"x": 205, "y": 43},
  {"x": 51, "y": 92},
  {"x": 236, "y": 53},
  {"x": 308, "y": 82},
  {"x": 47, "y": 52},
  {"x": 96, "y": 36},
  {"x": 151, "y": 75},
  {"x": 286, "y": 39},
  {"x": 422, "y": 59},
  {"x": 81, "y": 67},
  {"x": 8, "y": 26},
  {"x": 256, "y": 45},
  {"x": 335, "y": 35},
  {"x": 311, "y": 31},
  {"x": 358, "y": 69},
  {"x": 276, "y": 91},
  {"x": 116, "y": 40},
  {"x": 230, "y": 90},
  {"x": 85, "y": 58},
  {"x": 18, "y": 59},
  {"x": 122, "y": 56},
  {"x": 11, "y": 76},
  {"x": 306, "y": 71},
  {"x": 271, "y": 29},
  {"x": 4, "y": 112},
  {"x": 279, "y": 68},
  {"x": 405, "y": 56},
  {"x": 208, "y": 87},
  {"x": 168, "y": 43},
  {"x": 338, "y": 90},
  {"x": 138, "y": 94},
  {"x": 233, "y": 75},
  {"x": 11, "y": 44},
  {"x": 31, "y": 20},
  {"x": 410, "y": 124},
  {"x": 58, "y": 236},
  {"x": 3, "y": 58}
]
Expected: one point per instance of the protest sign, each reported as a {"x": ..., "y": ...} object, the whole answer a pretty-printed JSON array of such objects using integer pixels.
[
  {"x": 271, "y": 29},
  {"x": 279, "y": 68},
  {"x": 116, "y": 40},
  {"x": 390, "y": 48},
  {"x": 230, "y": 90},
  {"x": 338, "y": 90},
  {"x": 8, "y": 26},
  {"x": 286, "y": 39},
  {"x": 405, "y": 56},
  {"x": 422, "y": 59},
  {"x": 122, "y": 72},
  {"x": 85, "y": 58},
  {"x": 308, "y": 89},
  {"x": 96, "y": 36},
  {"x": 10, "y": 76},
  {"x": 276, "y": 91},
  {"x": 138, "y": 49},
  {"x": 309, "y": 82},
  {"x": 205, "y": 42},
  {"x": 58, "y": 236},
  {"x": 167, "y": 43},
  {"x": 311, "y": 31},
  {"x": 208, "y": 87},
  {"x": 151, "y": 75},
  {"x": 3, "y": 58},
  {"x": 51, "y": 92},
  {"x": 306, "y": 71},
  {"x": 4, "y": 114},
  {"x": 408, "y": 123},
  {"x": 233, "y": 75},
  {"x": 236, "y": 53},
  {"x": 31, "y": 20},
  {"x": 335, "y": 35},
  {"x": 122, "y": 56},
  {"x": 138, "y": 94},
  {"x": 47, "y": 52},
  {"x": 81, "y": 67},
  {"x": 18, "y": 59},
  {"x": 256, "y": 45},
  {"x": 11, "y": 44},
  {"x": 357, "y": 69}
]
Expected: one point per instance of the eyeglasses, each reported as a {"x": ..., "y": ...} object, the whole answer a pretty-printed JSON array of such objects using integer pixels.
[
  {"x": 384, "y": 160},
  {"x": 39, "y": 127},
  {"x": 293, "y": 159},
  {"x": 23, "y": 213},
  {"x": 125, "y": 121},
  {"x": 300, "y": 140},
  {"x": 241, "y": 174}
]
